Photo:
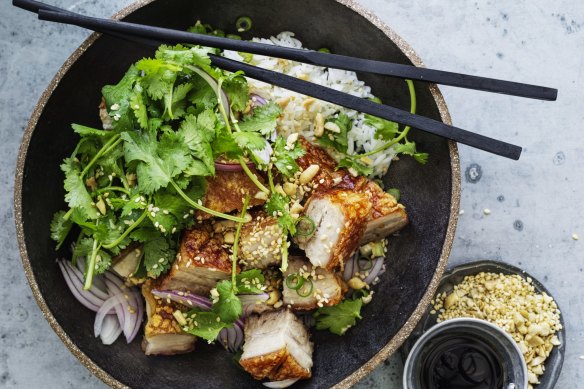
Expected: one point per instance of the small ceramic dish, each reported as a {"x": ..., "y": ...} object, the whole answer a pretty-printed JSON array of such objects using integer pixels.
[
  {"x": 505, "y": 351},
  {"x": 553, "y": 364}
]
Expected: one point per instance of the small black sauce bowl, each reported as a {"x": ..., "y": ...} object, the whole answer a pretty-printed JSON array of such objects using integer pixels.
[{"x": 492, "y": 336}]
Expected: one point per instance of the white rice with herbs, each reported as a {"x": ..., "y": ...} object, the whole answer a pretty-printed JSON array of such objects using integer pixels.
[{"x": 299, "y": 111}]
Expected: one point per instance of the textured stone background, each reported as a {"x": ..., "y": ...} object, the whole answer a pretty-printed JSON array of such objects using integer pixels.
[{"x": 535, "y": 203}]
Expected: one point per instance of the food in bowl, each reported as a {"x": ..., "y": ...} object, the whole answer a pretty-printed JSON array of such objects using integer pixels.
[{"x": 234, "y": 206}]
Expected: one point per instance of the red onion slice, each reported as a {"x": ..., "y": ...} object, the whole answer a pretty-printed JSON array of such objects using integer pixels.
[
  {"x": 239, "y": 332},
  {"x": 133, "y": 311},
  {"x": 79, "y": 275},
  {"x": 139, "y": 314},
  {"x": 77, "y": 290},
  {"x": 184, "y": 298},
  {"x": 231, "y": 167},
  {"x": 280, "y": 384},
  {"x": 249, "y": 302},
  {"x": 110, "y": 330},
  {"x": 257, "y": 100},
  {"x": 375, "y": 271},
  {"x": 122, "y": 310},
  {"x": 101, "y": 313},
  {"x": 349, "y": 271}
]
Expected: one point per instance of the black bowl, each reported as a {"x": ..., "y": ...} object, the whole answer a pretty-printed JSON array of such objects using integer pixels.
[{"x": 417, "y": 257}]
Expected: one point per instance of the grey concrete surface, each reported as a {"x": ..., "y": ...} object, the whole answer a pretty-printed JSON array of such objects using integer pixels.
[{"x": 535, "y": 203}]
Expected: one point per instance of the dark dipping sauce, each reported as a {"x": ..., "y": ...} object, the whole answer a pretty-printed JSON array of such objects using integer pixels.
[{"x": 459, "y": 362}]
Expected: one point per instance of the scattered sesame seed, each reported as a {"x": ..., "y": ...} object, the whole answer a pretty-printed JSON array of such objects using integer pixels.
[{"x": 487, "y": 211}]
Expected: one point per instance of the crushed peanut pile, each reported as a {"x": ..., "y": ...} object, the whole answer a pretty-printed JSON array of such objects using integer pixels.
[{"x": 511, "y": 302}]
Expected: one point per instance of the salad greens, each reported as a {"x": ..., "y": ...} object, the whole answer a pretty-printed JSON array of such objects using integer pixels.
[
  {"x": 142, "y": 180},
  {"x": 339, "y": 318}
]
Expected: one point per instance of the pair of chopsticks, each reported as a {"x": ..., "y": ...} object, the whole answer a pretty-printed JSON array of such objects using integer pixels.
[{"x": 155, "y": 36}]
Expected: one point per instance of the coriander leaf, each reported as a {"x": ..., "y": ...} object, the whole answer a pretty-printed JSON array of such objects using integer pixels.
[
  {"x": 198, "y": 128},
  {"x": 177, "y": 108},
  {"x": 197, "y": 168},
  {"x": 228, "y": 306},
  {"x": 60, "y": 228},
  {"x": 87, "y": 131},
  {"x": 225, "y": 144},
  {"x": 263, "y": 119},
  {"x": 202, "y": 96},
  {"x": 83, "y": 248},
  {"x": 250, "y": 282},
  {"x": 135, "y": 202},
  {"x": 172, "y": 148},
  {"x": 179, "y": 54},
  {"x": 422, "y": 158},
  {"x": 409, "y": 148},
  {"x": 181, "y": 91},
  {"x": 158, "y": 256},
  {"x": 77, "y": 195},
  {"x": 360, "y": 167},
  {"x": 153, "y": 171},
  {"x": 339, "y": 318},
  {"x": 277, "y": 203},
  {"x": 250, "y": 140},
  {"x": 236, "y": 88},
  {"x": 285, "y": 159},
  {"x": 140, "y": 110},
  {"x": 197, "y": 137},
  {"x": 145, "y": 234},
  {"x": 337, "y": 140},
  {"x": 205, "y": 324},
  {"x": 119, "y": 96},
  {"x": 384, "y": 129},
  {"x": 277, "y": 206},
  {"x": 103, "y": 261}
]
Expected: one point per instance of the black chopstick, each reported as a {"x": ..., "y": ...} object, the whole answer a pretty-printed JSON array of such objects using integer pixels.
[
  {"x": 475, "y": 140},
  {"x": 323, "y": 93},
  {"x": 315, "y": 57}
]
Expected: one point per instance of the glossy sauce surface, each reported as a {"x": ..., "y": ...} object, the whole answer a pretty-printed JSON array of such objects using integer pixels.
[{"x": 454, "y": 362}]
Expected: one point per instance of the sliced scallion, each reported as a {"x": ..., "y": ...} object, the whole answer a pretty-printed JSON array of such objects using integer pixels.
[
  {"x": 243, "y": 24},
  {"x": 394, "y": 192},
  {"x": 294, "y": 281},
  {"x": 305, "y": 291},
  {"x": 305, "y": 226}
]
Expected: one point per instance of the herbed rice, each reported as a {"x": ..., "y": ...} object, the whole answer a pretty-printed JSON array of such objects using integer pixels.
[{"x": 299, "y": 111}]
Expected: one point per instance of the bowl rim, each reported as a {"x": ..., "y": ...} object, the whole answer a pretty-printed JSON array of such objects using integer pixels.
[
  {"x": 468, "y": 322},
  {"x": 387, "y": 349}
]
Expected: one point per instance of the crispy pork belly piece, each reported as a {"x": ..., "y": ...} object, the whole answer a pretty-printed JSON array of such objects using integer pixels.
[
  {"x": 327, "y": 287},
  {"x": 340, "y": 218},
  {"x": 260, "y": 242},
  {"x": 202, "y": 261},
  {"x": 386, "y": 217},
  {"x": 225, "y": 192},
  {"x": 276, "y": 347},
  {"x": 162, "y": 333}
]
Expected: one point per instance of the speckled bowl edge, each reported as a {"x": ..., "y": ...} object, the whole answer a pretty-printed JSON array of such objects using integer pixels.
[{"x": 387, "y": 350}]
